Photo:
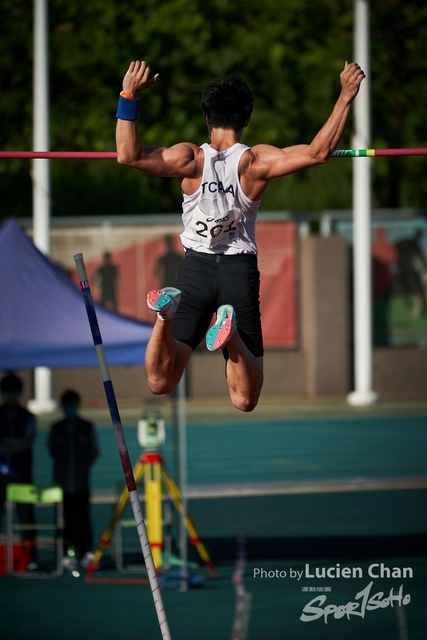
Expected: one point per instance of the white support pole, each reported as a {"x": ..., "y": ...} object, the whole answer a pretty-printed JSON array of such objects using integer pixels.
[
  {"x": 182, "y": 480},
  {"x": 41, "y": 167},
  {"x": 43, "y": 402},
  {"x": 363, "y": 393}
]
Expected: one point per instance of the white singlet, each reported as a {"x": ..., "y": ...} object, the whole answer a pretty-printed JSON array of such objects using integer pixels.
[{"x": 218, "y": 217}]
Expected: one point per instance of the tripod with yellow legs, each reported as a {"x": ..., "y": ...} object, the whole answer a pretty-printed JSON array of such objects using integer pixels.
[{"x": 152, "y": 466}]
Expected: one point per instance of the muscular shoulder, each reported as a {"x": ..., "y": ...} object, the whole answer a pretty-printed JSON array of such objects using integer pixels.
[
  {"x": 267, "y": 162},
  {"x": 186, "y": 151},
  {"x": 261, "y": 154},
  {"x": 252, "y": 170},
  {"x": 196, "y": 157}
]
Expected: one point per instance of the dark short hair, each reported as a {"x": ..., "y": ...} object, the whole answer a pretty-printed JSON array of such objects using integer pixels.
[
  {"x": 70, "y": 397},
  {"x": 228, "y": 103},
  {"x": 11, "y": 383}
]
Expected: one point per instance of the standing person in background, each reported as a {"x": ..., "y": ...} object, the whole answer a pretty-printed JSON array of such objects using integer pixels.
[
  {"x": 17, "y": 434},
  {"x": 73, "y": 445},
  {"x": 108, "y": 279}
]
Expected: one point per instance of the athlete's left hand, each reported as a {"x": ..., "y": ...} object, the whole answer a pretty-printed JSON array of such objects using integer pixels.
[
  {"x": 137, "y": 78},
  {"x": 351, "y": 77}
]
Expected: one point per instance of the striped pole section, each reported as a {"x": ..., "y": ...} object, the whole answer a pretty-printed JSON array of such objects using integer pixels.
[
  {"x": 112, "y": 155},
  {"x": 122, "y": 446},
  {"x": 373, "y": 153}
]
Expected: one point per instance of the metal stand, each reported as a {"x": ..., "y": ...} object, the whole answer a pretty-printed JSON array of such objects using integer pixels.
[
  {"x": 117, "y": 545},
  {"x": 152, "y": 466}
]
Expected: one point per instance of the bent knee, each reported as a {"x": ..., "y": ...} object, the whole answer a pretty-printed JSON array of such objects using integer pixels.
[
  {"x": 160, "y": 386},
  {"x": 245, "y": 404}
]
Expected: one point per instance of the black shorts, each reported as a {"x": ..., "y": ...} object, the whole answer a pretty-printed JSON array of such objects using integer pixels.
[{"x": 208, "y": 281}]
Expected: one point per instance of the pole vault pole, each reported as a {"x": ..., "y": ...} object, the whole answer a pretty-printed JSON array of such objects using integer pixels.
[{"x": 122, "y": 446}]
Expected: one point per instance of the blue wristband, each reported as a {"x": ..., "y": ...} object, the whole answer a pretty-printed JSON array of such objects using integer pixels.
[{"x": 127, "y": 109}]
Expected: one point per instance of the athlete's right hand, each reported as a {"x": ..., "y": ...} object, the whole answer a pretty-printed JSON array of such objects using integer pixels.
[{"x": 137, "y": 78}]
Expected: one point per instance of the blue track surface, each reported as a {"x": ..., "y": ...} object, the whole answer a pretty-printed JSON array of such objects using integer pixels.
[
  {"x": 270, "y": 451},
  {"x": 275, "y": 451}
]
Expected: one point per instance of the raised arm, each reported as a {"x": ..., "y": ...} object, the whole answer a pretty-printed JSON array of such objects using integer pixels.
[
  {"x": 171, "y": 162},
  {"x": 271, "y": 162}
]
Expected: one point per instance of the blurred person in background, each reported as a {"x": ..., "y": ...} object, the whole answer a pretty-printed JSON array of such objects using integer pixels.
[
  {"x": 17, "y": 433},
  {"x": 73, "y": 445},
  {"x": 108, "y": 280}
]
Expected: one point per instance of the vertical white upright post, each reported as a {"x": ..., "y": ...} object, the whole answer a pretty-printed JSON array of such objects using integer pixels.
[
  {"x": 363, "y": 393},
  {"x": 43, "y": 402},
  {"x": 182, "y": 479}
]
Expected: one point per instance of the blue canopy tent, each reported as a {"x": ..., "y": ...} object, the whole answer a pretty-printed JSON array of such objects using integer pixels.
[{"x": 43, "y": 321}]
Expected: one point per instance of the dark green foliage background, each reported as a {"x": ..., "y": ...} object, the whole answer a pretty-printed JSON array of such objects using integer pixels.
[{"x": 290, "y": 53}]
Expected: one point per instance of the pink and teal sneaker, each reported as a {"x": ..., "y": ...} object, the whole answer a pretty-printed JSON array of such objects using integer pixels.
[
  {"x": 164, "y": 302},
  {"x": 223, "y": 329}
]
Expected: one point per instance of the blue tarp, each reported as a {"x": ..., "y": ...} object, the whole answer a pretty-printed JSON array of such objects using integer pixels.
[{"x": 43, "y": 319}]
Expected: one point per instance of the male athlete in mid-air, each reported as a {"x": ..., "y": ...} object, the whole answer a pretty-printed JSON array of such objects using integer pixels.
[{"x": 222, "y": 185}]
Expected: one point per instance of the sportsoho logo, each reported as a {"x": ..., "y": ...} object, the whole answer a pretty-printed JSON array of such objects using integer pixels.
[{"x": 364, "y": 601}]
